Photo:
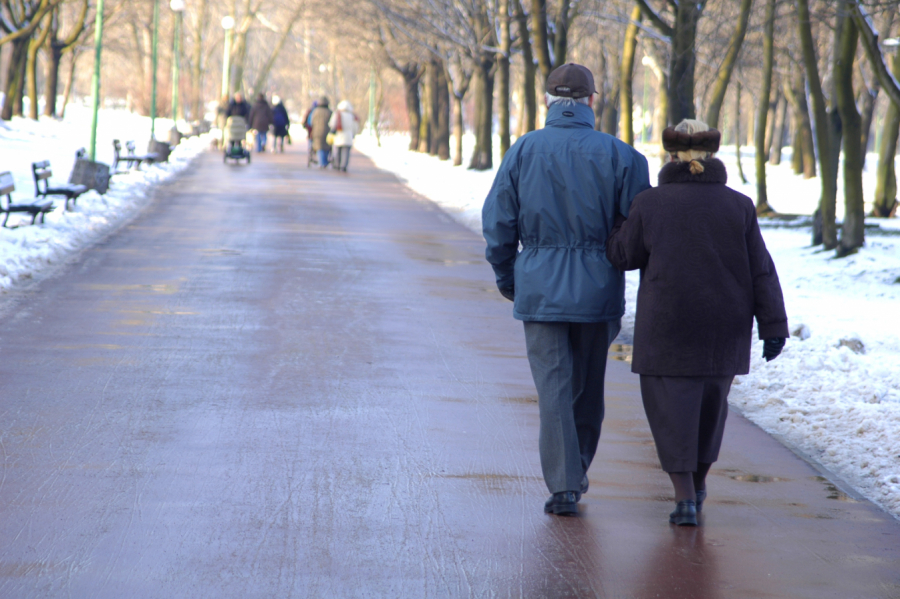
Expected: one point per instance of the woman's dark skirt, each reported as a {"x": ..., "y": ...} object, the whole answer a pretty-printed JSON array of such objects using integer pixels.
[{"x": 687, "y": 418}]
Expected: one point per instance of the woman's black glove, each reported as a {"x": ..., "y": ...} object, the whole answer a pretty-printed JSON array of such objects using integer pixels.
[
  {"x": 509, "y": 293},
  {"x": 772, "y": 347}
]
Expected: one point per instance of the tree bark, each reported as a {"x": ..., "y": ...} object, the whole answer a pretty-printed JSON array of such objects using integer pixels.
[
  {"x": 727, "y": 67},
  {"x": 762, "y": 198},
  {"x": 18, "y": 59},
  {"x": 427, "y": 111},
  {"x": 197, "y": 66},
  {"x": 482, "y": 157},
  {"x": 539, "y": 31},
  {"x": 803, "y": 134},
  {"x": 823, "y": 129},
  {"x": 411, "y": 74},
  {"x": 737, "y": 131},
  {"x": 683, "y": 61},
  {"x": 70, "y": 82},
  {"x": 441, "y": 120},
  {"x": 886, "y": 176},
  {"x": 503, "y": 116},
  {"x": 778, "y": 131},
  {"x": 529, "y": 72},
  {"x": 626, "y": 77},
  {"x": 852, "y": 232}
]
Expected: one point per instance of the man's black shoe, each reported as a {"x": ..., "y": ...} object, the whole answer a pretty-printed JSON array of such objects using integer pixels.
[
  {"x": 562, "y": 504},
  {"x": 685, "y": 513}
]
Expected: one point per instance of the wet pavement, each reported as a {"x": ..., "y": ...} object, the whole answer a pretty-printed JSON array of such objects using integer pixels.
[{"x": 281, "y": 382}]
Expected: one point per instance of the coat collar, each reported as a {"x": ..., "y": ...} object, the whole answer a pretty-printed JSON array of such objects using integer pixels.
[
  {"x": 578, "y": 115},
  {"x": 679, "y": 172}
]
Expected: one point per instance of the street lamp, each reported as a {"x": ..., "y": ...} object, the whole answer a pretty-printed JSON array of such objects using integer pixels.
[
  {"x": 177, "y": 7},
  {"x": 155, "y": 61},
  {"x": 227, "y": 25},
  {"x": 95, "y": 81}
]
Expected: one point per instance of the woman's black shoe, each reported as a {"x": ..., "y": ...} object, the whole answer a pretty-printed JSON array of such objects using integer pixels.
[
  {"x": 701, "y": 497},
  {"x": 685, "y": 513},
  {"x": 562, "y": 504}
]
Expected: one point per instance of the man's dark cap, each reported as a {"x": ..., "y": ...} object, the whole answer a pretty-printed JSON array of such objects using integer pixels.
[{"x": 571, "y": 81}]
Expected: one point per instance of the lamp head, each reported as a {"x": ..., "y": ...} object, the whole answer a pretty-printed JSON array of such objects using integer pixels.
[
  {"x": 177, "y": 5},
  {"x": 228, "y": 22}
]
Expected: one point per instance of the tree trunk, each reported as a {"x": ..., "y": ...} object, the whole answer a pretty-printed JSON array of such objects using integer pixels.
[
  {"x": 610, "y": 118},
  {"x": 762, "y": 198},
  {"x": 482, "y": 157},
  {"x": 529, "y": 72},
  {"x": 14, "y": 76},
  {"x": 867, "y": 113},
  {"x": 727, "y": 67},
  {"x": 503, "y": 77},
  {"x": 886, "y": 176},
  {"x": 772, "y": 119},
  {"x": 539, "y": 31},
  {"x": 626, "y": 76},
  {"x": 797, "y": 144},
  {"x": 778, "y": 131},
  {"x": 683, "y": 61},
  {"x": 427, "y": 111},
  {"x": 737, "y": 131},
  {"x": 823, "y": 130},
  {"x": 458, "y": 129},
  {"x": 561, "y": 34},
  {"x": 852, "y": 232},
  {"x": 51, "y": 77},
  {"x": 441, "y": 120},
  {"x": 70, "y": 82},
  {"x": 411, "y": 75}
]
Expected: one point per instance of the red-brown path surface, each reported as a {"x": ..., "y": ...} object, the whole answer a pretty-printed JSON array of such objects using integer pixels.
[{"x": 279, "y": 382}]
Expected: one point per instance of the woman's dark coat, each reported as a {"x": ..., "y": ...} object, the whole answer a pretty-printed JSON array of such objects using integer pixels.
[
  {"x": 280, "y": 120},
  {"x": 705, "y": 274},
  {"x": 261, "y": 116}
]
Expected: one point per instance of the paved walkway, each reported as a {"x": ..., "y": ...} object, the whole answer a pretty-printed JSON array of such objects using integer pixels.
[{"x": 280, "y": 382}]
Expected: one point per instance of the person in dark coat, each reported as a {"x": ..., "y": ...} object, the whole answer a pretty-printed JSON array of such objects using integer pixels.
[
  {"x": 557, "y": 193},
  {"x": 260, "y": 121},
  {"x": 705, "y": 275},
  {"x": 319, "y": 131},
  {"x": 280, "y": 124},
  {"x": 238, "y": 107}
]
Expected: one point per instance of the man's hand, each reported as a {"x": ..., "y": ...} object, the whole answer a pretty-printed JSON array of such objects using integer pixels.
[
  {"x": 509, "y": 293},
  {"x": 772, "y": 347}
]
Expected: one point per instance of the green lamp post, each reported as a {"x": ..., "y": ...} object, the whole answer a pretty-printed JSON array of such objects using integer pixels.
[
  {"x": 177, "y": 7},
  {"x": 95, "y": 80}
]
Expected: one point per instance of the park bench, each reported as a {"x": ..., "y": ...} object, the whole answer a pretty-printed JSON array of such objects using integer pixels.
[
  {"x": 34, "y": 207},
  {"x": 131, "y": 159},
  {"x": 42, "y": 173}
]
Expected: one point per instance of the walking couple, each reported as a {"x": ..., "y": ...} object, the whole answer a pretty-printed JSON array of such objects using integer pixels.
[{"x": 580, "y": 205}]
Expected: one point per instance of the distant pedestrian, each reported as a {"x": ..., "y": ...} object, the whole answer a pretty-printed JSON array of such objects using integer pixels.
[
  {"x": 557, "y": 193},
  {"x": 221, "y": 117},
  {"x": 345, "y": 125},
  {"x": 705, "y": 275},
  {"x": 319, "y": 131},
  {"x": 307, "y": 124},
  {"x": 260, "y": 120},
  {"x": 238, "y": 107},
  {"x": 281, "y": 124}
]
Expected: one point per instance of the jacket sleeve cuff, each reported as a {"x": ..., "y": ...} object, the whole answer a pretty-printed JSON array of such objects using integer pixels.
[{"x": 771, "y": 330}]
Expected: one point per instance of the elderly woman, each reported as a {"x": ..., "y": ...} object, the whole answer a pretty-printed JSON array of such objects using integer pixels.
[{"x": 705, "y": 275}]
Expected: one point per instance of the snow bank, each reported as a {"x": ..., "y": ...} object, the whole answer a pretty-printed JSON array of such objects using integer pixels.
[
  {"x": 834, "y": 393},
  {"x": 27, "y": 250}
]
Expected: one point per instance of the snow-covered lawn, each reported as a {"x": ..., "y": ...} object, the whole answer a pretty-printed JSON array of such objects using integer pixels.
[
  {"x": 26, "y": 251},
  {"x": 838, "y": 404}
]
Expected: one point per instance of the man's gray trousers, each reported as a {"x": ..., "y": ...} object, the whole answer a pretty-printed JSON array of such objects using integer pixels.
[{"x": 568, "y": 363}]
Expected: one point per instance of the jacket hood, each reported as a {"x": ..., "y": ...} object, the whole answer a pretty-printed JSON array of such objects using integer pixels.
[
  {"x": 577, "y": 115},
  {"x": 345, "y": 106},
  {"x": 680, "y": 172}
]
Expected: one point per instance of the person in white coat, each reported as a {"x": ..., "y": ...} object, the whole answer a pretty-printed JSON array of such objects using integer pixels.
[{"x": 345, "y": 126}]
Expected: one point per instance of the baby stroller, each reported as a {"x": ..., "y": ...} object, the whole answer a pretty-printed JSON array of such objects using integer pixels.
[{"x": 235, "y": 140}]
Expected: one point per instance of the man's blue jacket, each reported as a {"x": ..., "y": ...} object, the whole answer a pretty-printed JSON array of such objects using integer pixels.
[{"x": 558, "y": 192}]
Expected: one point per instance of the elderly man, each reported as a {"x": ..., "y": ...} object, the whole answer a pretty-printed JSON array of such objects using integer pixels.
[{"x": 558, "y": 193}]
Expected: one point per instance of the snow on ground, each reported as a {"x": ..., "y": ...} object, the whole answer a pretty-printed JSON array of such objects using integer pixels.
[
  {"x": 837, "y": 404},
  {"x": 25, "y": 250}
]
